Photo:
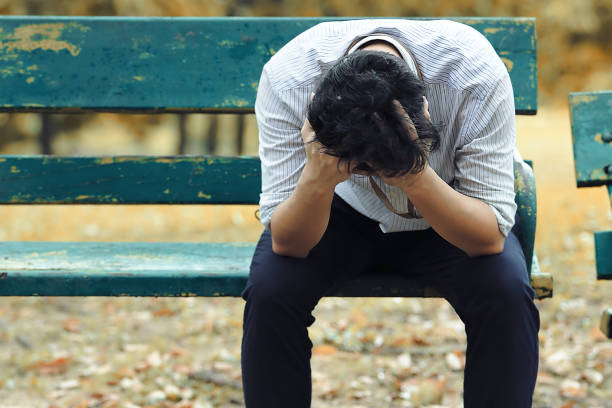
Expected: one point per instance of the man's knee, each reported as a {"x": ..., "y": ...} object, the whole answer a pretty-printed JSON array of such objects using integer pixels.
[{"x": 501, "y": 278}]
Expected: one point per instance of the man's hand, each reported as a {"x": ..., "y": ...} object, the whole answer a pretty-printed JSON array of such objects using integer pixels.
[
  {"x": 410, "y": 179},
  {"x": 321, "y": 168}
]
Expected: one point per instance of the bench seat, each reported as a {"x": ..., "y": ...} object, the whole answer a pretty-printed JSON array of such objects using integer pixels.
[{"x": 166, "y": 269}]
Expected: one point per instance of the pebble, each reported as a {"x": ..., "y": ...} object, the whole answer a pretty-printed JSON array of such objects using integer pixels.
[
  {"x": 572, "y": 389},
  {"x": 156, "y": 396},
  {"x": 593, "y": 376},
  {"x": 559, "y": 362},
  {"x": 69, "y": 384},
  {"x": 404, "y": 360},
  {"x": 454, "y": 362},
  {"x": 172, "y": 392}
]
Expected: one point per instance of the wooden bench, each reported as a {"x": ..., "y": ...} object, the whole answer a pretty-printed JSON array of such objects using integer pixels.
[
  {"x": 161, "y": 65},
  {"x": 591, "y": 117}
]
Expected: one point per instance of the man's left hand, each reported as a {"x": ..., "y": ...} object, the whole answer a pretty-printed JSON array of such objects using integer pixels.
[{"x": 408, "y": 180}]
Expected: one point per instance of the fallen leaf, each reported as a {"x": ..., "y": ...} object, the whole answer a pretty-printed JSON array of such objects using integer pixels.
[
  {"x": 178, "y": 352},
  {"x": 72, "y": 325},
  {"x": 124, "y": 372},
  {"x": 419, "y": 341},
  {"x": 324, "y": 350},
  {"x": 182, "y": 369},
  {"x": 57, "y": 366},
  {"x": 164, "y": 312}
]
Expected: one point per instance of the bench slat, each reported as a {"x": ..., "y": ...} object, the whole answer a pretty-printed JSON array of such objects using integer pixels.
[
  {"x": 163, "y": 269},
  {"x": 591, "y": 117},
  {"x": 182, "y": 64},
  {"x": 603, "y": 254},
  {"x": 129, "y": 180}
]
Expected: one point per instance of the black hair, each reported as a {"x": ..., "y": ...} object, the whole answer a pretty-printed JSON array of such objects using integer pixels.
[{"x": 353, "y": 115}]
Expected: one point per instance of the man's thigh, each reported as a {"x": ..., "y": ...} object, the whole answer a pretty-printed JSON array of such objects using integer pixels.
[
  {"x": 463, "y": 280},
  {"x": 346, "y": 250}
]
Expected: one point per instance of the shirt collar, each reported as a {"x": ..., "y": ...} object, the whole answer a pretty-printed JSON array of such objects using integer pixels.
[{"x": 382, "y": 37}]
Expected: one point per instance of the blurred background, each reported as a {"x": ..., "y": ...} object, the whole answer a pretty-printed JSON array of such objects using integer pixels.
[{"x": 149, "y": 352}]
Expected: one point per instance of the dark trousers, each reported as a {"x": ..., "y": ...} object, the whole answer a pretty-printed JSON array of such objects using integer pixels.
[{"x": 491, "y": 294}]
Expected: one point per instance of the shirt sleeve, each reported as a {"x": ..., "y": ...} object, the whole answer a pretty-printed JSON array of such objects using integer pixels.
[
  {"x": 484, "y": 163},
  {"x": 281, "y": 148}
]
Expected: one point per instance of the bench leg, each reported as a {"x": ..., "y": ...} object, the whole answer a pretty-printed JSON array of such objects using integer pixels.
[{"x": 606, "y": 323}]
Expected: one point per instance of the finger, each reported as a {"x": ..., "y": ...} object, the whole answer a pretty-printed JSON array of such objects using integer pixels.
[
  {"x": 426, "y": 108},
  {"x": 307, "y": 132},
  {"x": 407, "y": 123}
]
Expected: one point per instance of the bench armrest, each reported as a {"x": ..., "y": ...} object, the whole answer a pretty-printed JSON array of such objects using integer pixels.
[{"x": 525, "y": 190}]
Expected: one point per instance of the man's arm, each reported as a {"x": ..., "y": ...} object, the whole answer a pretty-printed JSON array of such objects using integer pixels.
[
  {"x": 299, "y": 222},
  {"x": 466, "y": 222}
]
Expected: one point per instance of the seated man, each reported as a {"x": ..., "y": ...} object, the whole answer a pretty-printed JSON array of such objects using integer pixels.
[{"x": 388, "y": 146}]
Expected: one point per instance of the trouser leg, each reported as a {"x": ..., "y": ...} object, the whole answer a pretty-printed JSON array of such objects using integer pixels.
[
  {"x": 280, "y": 295},
  {"x": 493, "y": 297}
]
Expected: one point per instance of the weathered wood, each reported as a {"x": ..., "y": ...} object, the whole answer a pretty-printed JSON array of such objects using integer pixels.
[
  {"x": 159, "y": 180},
  {"x": 603, "y": 254},
  {"x": 606, "y": 323},
  {"x": 182, "y": 64},
  {"x": 129, "y": 180},
  {"x": 164, "y": 269},
  {"x": 591, "y": 117}
]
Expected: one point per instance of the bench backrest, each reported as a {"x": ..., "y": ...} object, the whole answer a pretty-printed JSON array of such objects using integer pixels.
[
  {"x": 155, "y": 65},
  {"x": 167, "y": 64}
]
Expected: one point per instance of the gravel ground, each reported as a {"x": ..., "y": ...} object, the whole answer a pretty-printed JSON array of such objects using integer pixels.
[{"x": 137, "y": 352}]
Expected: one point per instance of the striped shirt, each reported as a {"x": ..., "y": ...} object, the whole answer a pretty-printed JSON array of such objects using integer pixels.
[{"x": 470, "y": 101}]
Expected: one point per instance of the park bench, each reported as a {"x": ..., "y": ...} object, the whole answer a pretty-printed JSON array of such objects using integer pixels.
[
  {"x": 175, "y": 65},
  {"x": 591, "y": 117}
]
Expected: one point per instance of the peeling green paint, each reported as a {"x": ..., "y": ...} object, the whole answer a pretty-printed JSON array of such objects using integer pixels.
[
  {"x": 583, "y": 98},
  {"x": 509, "y": 63},
  {"x": 40, "y": 36},
  {"x": 492, "y": 30}
]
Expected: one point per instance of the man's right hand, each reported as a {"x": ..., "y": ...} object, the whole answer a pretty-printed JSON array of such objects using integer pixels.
[{"x": 321, "y": 169}]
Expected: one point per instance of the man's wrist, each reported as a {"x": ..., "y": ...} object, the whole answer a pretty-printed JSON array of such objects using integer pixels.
[
  {"x": 313, "y": 181},
  {"x": 314, "y": 187},
  {"x": 418, "y": 183}
]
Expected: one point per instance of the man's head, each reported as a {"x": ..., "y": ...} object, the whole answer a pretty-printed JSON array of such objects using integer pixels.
[{"x": 354, "y": 118}]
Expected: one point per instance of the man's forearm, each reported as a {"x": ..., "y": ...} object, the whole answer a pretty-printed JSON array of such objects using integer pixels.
[
  {"x": 299, "y": 222},
  {"x": 465, "y": 222}
]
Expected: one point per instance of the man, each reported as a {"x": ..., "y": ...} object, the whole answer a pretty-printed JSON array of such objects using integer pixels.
[{"x": 388, "y": 145}]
